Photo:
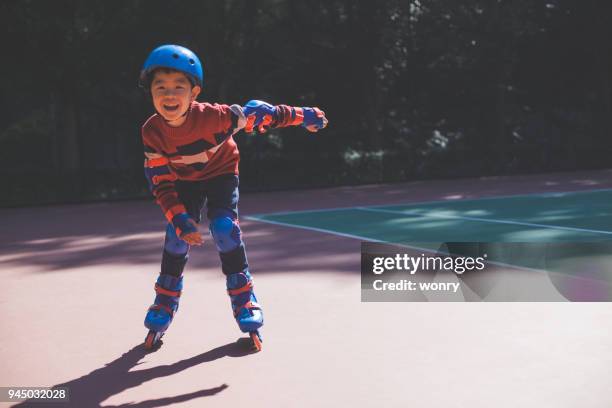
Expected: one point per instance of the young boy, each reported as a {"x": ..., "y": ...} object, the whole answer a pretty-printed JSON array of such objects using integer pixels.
[{"x": 191, "y": 159}]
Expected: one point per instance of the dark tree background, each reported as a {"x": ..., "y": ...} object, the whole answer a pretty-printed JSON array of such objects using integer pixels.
[{"x": 412, "y": 88}]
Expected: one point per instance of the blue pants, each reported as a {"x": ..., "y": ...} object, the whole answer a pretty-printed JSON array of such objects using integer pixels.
[{"x": 220, "y": 195}]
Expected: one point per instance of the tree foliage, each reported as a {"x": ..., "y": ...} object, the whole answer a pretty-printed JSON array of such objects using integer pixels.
[{"x": 412, "y": 88}]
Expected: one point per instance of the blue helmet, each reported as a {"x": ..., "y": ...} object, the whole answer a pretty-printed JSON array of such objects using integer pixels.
[{"x": 173, "y": 57}]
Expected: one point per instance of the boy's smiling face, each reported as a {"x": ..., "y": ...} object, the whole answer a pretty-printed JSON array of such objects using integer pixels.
[{"x": 172, "y": 95}]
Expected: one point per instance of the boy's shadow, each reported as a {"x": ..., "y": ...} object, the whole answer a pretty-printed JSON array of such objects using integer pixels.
[{"x": 99, "y": 385}]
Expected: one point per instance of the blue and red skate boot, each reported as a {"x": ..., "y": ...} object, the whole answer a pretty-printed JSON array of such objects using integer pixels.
[
  {"x": 159, "y": 316},
  {"x": 247, "y": 311}
]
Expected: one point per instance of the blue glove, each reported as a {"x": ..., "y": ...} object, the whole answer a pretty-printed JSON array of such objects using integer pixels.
[
  {"x": 314, "y": 119},
  {"x": 184, "y": 224},
  {"x": 260, "y": 114}
]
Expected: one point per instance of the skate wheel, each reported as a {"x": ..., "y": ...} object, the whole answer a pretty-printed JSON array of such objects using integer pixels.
[
  {"x": 152, "y": 339},
  {"x": 256, "y": 339}
]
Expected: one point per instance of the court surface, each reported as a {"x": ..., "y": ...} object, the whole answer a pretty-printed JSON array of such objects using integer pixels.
[
  {"x": 562, "y": 216},
  {"x": 77, "y": 280}
]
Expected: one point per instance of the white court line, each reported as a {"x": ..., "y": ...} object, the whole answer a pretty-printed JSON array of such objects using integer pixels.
[
  {"x": 551, "y": 194},
  {"x": 326, "y": 231},
  {"x": 489, "y": 220},
  {"x": 368, "y": 239}
]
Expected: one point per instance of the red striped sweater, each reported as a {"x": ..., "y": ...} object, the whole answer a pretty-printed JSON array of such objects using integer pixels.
[{"x": 199, "y": 149}]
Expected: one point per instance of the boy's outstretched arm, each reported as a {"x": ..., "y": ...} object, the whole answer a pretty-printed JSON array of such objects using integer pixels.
[
  {"x": 264, "y": 115},
  {"x": 161, "y": 183}
]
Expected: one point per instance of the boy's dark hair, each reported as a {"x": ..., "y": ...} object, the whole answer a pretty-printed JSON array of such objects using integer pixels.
[{"x": 165, "y": 70}]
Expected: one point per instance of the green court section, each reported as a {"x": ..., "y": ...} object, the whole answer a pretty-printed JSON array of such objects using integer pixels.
[
  {"x": 560, "y": 217},
  {"x": 567, "y": 235}
]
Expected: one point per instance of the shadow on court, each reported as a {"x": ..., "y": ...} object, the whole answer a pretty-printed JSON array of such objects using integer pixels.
[
  {"x": 59, "y": 238},
  {"x": 269, "y": 248},
  {"x": 115, "y": 377}
]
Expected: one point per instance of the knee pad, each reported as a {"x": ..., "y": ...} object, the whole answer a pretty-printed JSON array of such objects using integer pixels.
[
  {"x": 173, "y": 244},
  {"x": 225, "y": 232}
]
